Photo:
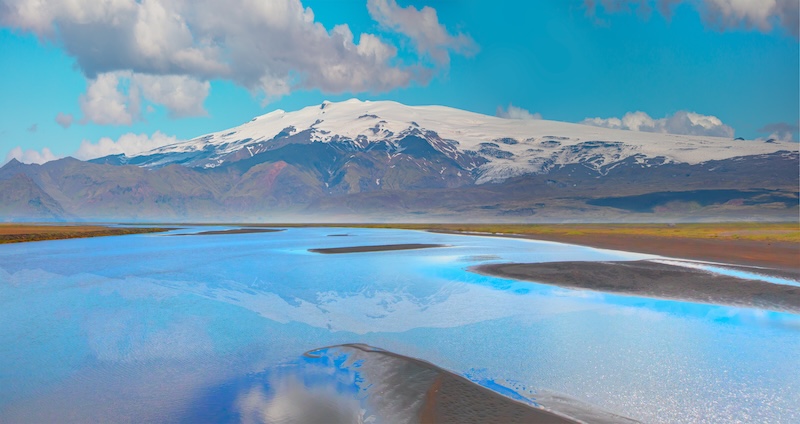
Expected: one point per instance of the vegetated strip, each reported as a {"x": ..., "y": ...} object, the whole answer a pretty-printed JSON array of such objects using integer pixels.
[
  {"x": 19, "y": 233},
  {"x": 379, "y": 248},
  {"x": 653, "y": 279},
  {"x": 235, "y": 231}
]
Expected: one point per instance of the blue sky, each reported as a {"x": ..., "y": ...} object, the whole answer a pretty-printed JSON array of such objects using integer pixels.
[{"x": 131, "y": 75}]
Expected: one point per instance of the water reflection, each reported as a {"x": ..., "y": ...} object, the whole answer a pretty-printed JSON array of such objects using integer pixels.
[
  {"x": 150, "y": 328},
  {"x": 359, "y": 383}
]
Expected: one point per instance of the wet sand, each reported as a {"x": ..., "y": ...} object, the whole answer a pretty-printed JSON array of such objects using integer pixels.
[
  {"x": 411, "y": 390},
  {"x": 236, "y": 231},
  {"x": 652, "y": 279},
  {"x": 772, "y": 254},
  {"x": 378, "y": 248}
]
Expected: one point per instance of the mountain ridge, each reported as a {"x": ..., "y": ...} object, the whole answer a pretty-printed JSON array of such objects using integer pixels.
[
  {"x": 491, "y": 147},
  {"x": 351, "y": 166}
]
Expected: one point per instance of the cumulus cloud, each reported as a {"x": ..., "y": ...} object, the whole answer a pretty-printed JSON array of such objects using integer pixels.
[
  {"x": 513, "y": 112},
  {"x": 31, "y": 155},
  {"x": 106, "y": 102},
  {"x": 422, "y": 27},
  {"x": 761, "y": 15},
  {"x": 129, "y": 144},
  {"x": 171, "y": 49},
  {"x": 781, "y": 131},
  {"x": 64, "y": 119},
  {"x": 682, "y": 122},
  {"x": 115, "y": 98},
  {"x": 182, "y": 95}
]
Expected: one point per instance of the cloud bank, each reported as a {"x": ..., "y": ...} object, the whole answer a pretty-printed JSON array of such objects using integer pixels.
[
  {"x": 682, "y": 122},
  {"x": 167, "y": 51},
  {"x": 781, "y": 131},
  {"x": 129, "y": 144},
  {"x": 513, "y": 112},
  {"x": 759, "y": 15},
  {"x": 31, "y": 155}
]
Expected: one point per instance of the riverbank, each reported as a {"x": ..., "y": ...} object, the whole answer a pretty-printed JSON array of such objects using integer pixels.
[
  {"x": 765, "y": 244},
  {"x": 771, "y": 245},
  {"x": 19, "y": 233}
]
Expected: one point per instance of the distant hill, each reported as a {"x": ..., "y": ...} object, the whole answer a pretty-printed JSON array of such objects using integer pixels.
[{"x": 378, "y": 161}]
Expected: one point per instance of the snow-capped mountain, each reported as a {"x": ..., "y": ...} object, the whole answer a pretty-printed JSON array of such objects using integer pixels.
[
  {"x": 360, "y": 161},
  {"x": 488, "y": 148}
]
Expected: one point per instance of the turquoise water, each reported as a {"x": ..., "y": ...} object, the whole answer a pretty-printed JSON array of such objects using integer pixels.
[{"x": 156, "y": 327}]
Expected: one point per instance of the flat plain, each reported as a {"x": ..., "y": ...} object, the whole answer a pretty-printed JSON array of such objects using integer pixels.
[{"x": 17, "y": 233}]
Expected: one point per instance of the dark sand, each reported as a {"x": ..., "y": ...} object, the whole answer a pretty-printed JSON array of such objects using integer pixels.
[
  {"x": 652, "y": 279},
  {"x": 434, "y": 395},
  {"x": 236, "y": 231},
  {"x": 772, "y": 254},
  {"x": 378, "y": 248}
]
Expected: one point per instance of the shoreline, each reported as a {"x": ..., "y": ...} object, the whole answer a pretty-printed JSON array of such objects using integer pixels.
[
  {"x": 23, "y": 233},
  {"x": 750, "y": 244},
  {"x": 779, "y": 256},
  {"x": 651, "y": 279},
  {"x": 432, "y": 394}
]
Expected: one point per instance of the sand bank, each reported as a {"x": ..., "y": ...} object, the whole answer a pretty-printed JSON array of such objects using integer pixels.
[
  {"x": 235, "y": 231},
  {"x": 405, "y": 389},
  {"x": 653, "y": 279},
  {"x": 378, "y": 248}
]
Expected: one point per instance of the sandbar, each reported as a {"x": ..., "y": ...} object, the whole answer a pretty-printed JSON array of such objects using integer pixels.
[
  {"x": 401, "y": 385},
  {"x": 234, "y": 231},
  {"x": 653, "y": 279},
  {"x": 378, "y": 248}
]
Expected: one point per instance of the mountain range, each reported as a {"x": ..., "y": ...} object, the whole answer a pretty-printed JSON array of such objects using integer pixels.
[{"x": 385, "y": 161}]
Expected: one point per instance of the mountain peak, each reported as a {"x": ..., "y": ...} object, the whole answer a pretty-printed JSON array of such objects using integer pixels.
[
  {"x": 12, "y": 165},
  {"x": 494, "y": 148}
]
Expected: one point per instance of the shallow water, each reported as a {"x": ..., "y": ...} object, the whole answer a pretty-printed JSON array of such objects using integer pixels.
[{"x": 152, "y": 327}]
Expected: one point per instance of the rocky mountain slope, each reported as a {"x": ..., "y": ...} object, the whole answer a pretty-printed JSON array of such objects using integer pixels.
[{"x": 387, "y": 161}]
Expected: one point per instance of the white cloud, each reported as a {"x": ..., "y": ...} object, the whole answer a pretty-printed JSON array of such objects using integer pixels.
[
  {"x": 422, "y": 26},
  {"x": 778, "y": 136},
  {"x": 64, "y": 119},
  {"x": 780, "y": 131},
  {"x": 106, "y": 103},
  {"x": 173, "y": 48},
  {"x": 752, "y": 14},
  {"x": 114, "y": 98},
  {"x": 129, "y": 144},
  {"x": 682, "y": 122},
  {"x": 513, "y": 112},
  {"x": 31, "y": 155},
  {"x": 761, "y": 15},
  {"x": 182, "y": 95}
]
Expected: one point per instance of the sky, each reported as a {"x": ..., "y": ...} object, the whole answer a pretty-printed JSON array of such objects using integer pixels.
[{"x": 88, "y": 78}]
